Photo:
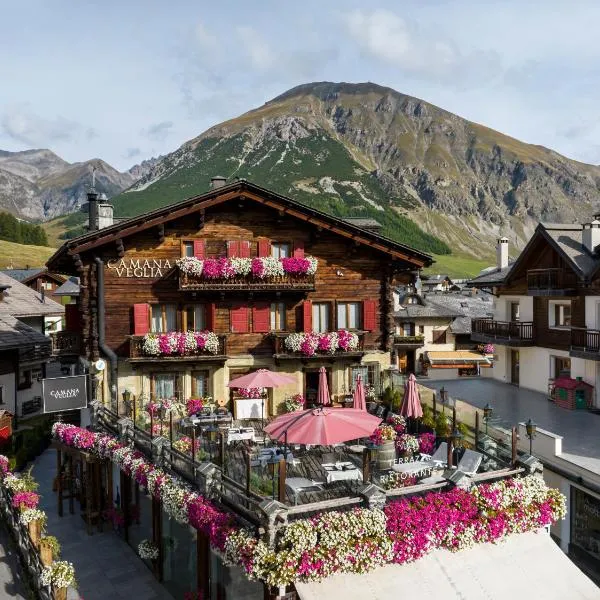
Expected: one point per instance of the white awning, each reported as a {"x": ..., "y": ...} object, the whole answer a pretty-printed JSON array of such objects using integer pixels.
[{"x": 528, "y": 565}]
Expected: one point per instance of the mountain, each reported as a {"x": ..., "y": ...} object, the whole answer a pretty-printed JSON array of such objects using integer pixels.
[
  {"x": 38, "y": 184},
  {"x": 432, "y": 178}
]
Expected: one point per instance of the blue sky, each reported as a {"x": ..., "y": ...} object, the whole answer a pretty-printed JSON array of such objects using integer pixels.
[{"x": 126, "y": 80}]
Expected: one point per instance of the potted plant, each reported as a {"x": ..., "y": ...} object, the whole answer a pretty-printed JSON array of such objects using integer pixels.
[
  {"x": 60, "y": 575},
  {"x": 384, "y": 438},
  {"x": 148, "y": 550},
  {"x": 35, "y": 520},
  {"x": 49, "y": 549},
  {"x": 25, "y": 500},
  {"x": 407, "y": 445}
]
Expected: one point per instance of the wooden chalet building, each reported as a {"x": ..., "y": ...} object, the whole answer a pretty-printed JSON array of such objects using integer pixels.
[
  {"x": 547, "y": 317},
  {"x": 132, "y": 288}
]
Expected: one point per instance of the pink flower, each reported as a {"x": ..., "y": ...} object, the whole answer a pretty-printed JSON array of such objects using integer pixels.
[
  {"x": 426, "y": 443},
  {"x": 257, "y": 268},
  {"x": 25, "y": 499},
  {"x": 194, "y": 405}
]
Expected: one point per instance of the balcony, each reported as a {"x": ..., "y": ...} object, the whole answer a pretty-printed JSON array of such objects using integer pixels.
[
  {"x": 505, "y": 333},
  {"x": 282, "y": 352},
  {"x": 66, "y": 343},
  {"x": 585, "y": 343},
  {"x": 137, "y": 354},
  {"x": 288, "y": 282},
  {"x": 408, "y": 341},
  {"x": 551, "y": 282}
]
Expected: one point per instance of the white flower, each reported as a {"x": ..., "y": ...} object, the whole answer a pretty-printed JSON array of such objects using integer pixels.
[
  {"x": 190, "y": 265},
  {"x": 241, "y": 266},
  {"x": 147, "y": 550},
  {"x": 33, "y": 514},
  {"x": 150, "y": 345},
  {"x": 60, "y": 574}
]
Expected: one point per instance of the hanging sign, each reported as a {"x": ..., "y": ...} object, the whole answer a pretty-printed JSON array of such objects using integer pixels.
[{"x": 64, "y": 393}]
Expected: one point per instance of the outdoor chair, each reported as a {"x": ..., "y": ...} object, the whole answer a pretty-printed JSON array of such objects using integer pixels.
[
  {"x": 438, "y": 459},
  {"x": 468, "y": 465}
]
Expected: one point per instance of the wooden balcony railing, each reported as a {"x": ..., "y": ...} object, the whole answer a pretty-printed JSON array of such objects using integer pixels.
[
  {"x": 282, "y": 352},
  {"x": 551, "y": 282},
  {"x": 298, "y": 283},
  {"x": 585, "y": 342},
  {"x": 409, "y": 340},
  {"x": 136, "y": 352},
  {"x": 66, "y": 342},
  {"x": 509, "y": 332}
]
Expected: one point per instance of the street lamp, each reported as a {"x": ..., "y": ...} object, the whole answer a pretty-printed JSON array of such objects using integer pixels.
[
  {"x": 455, "y": 437},
  {"x": 273, "y": 464},
  {"x": 443, "y": 397},
  {"x": 487, "y": 415},
  {"x": 530, "y": 428}
]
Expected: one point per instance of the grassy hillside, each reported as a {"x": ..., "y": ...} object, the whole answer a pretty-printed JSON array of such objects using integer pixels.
[
  {"x": 456, "y": 266},
  {"x": 20, "y": 256}
]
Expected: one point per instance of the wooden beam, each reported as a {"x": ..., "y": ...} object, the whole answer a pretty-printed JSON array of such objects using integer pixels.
[
  {"x": 161, "y": 233},
  {"x": 120, "y": 248}
]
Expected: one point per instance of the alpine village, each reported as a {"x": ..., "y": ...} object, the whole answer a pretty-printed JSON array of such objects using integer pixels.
[{"x": 346, "y": 345}]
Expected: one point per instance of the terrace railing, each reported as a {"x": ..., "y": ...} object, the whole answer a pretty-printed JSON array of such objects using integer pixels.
[
  {"x": 136, "y": 352},
  {"x": 282, "y": 352},
  {"x": 287, "y": 282},
  {"x": 509, "y": 332},
  {"x": 66, "y": 343},
  {"x": 408, "y": 340},
  {"x": 551, "y": 282},
  {"x": 585, "y": 342}
]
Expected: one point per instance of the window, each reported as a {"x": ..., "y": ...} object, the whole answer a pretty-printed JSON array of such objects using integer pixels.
[
  {"x": 421, "y": 329},
  {"x": 408, "y": 329},
  {"x": 281, "y": 250},
  {"x": 559, "y": 314},
  {"x": 200, "y": 384},
  {"x": 165, "y": 385},
  {"x": 188, "y": 248},
  {"x": 439, "y": 336},
  {"x": 194, "y": 317},
  {"x": 513, "y": 308},
  {"x": 369, "y": 373},
  {"x": 412, "y": 300},
  {"x": 348, "y": 315},
  {"x": 48, "y": 285},
  {"x": 320, "y": 317},
  {"x": 163, "y": 318},
  {"x": 278, "y": 316},
  {"x": 562, "y": 367},
  {"x": 25, "y": 379}
]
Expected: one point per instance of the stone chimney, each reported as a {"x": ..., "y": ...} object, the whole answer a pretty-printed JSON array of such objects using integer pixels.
[
  {"x": 591, "y": 235},
  {"x": 105, "y": 212},
  {"x": 217, "y": 182},
  {"x": 502, "y": 253}
]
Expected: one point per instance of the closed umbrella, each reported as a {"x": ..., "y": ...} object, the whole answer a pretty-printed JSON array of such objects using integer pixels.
[
  {"x": 411, "y": 403},
  {"x": 323, "y": 391},
  {"x": 359, "y": 395},
  {"x": 263, "y": 378},
  {"x": 323, "y": 426}
]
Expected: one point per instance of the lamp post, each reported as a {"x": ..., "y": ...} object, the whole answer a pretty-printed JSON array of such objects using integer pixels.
[
  {"x": 211, "y": 435},
  {"x": 487, "y": 415},
  {"x": 530, "y": 428},
  {"x": 273, "y": 463}
]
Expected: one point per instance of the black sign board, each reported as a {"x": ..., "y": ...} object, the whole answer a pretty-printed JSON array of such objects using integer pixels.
[{"x": 64, "y": 393}]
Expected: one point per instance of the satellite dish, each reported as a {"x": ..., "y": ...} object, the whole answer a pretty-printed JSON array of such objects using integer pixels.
[{"x": 100, "y": 365}]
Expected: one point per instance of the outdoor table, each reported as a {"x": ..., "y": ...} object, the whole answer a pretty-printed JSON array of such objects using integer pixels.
[
  {"x": 356, "y": 448},
  {"x": 237, "y": 434},
  {"x": 302, "y": 484},
  {"x": 266, "y": 454},
  {"x": 342, "y": 471}
]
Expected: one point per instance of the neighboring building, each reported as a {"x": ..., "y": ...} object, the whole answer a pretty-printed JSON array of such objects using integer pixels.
[
  {"x": 433, "y": 333},
  {"x": 547, "y": 315},
  {"x": 24, "y": 349},
  {"x": 130, "y": 279},
  {"x": 436, "y": 283},
  {"x": 39, "y": 279}
]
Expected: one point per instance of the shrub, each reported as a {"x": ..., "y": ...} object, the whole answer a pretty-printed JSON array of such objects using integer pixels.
[{"x": 442, "y": 425}]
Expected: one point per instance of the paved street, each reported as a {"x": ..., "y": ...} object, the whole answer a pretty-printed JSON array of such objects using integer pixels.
[
  {"x": 580, "y": 429},
  {"x": 11, "y": 573},
  {"x": 105, "y": 566}
]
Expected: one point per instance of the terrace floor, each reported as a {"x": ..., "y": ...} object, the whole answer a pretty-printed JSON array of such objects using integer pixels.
[{"x": 580, "y": 429}]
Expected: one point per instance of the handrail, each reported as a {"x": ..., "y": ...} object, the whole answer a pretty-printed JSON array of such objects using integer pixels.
[{"x": 518, "y": 330}]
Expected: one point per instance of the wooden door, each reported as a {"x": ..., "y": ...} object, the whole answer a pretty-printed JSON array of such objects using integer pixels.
[{"x": 514, "y": 367}]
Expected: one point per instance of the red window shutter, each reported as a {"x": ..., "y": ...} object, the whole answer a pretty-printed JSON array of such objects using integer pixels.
[
  {"x": 264, "y": 248},
  {"x": 233, "y": 249},
  {"x": 244, "y": 251},
  {"x": 211, "y": 316},
  {"x": 261, "y": 318},
  {"x": 239, "y": 319},
  {"x": 199, "y": 248},
  {"x": 307, "y": 316},
  {"x": 141, "y": 318},
  {"x": 369, "y": 307},
  {"x": 72, "y": 318},
  {"x": 298, "y": 249}
]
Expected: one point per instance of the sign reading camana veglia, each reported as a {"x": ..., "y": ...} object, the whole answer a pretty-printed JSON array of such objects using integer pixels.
[
  {"x": 139, "y": 267},
  {"x": 64, "y": 393}
]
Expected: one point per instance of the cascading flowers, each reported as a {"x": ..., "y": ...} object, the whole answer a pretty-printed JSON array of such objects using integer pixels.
[
  {"x": 60, "y": 574},
  {"x": 25, "y": 500},
  {"x": 180, "y": 344},
  {"x": 407, "y": 443},
  {"x": 383, "y": 433},
  {"x": 33, "y": 514},
  {"x": 147, "y": 550},
  {"x": 310, "y": 344}
]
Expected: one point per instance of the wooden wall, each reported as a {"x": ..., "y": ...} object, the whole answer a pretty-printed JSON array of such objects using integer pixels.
[
  {"x": 556, "y": 338},
  {"x": 345, "y": 272}
]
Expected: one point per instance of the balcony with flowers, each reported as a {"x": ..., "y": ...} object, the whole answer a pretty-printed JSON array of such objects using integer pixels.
[
  {"x": 178, "y": 346},
  {"x": 319, "y": 346},
  {"x": 247, "y": 274}
]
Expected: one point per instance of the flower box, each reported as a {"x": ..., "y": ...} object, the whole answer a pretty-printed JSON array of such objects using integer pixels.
[{"x": 312, "y": 344}]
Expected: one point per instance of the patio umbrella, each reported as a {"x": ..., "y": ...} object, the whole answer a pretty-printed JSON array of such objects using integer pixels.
[
  {"x": 411, "y": 403},
  {"x": 359, "y": 395},
  {"x": 322, "y": 426},
  {"x": 263, "y": 378},
  {"x": 323, "y": 391}
]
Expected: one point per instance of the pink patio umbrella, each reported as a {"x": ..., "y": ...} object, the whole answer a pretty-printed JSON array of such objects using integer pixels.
[
  {"x": 263, "y": 378},
  {"x": 411, "y": 403},
  {"x": 323, "y": 390},
  {"x": 359, "y": 395},
  {"x": 322, "y": 426}
]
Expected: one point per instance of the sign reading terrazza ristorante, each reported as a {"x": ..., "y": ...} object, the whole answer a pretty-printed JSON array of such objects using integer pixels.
[
  {"x": 64, "y": 393},
  {"x": 139, "y": 267}
]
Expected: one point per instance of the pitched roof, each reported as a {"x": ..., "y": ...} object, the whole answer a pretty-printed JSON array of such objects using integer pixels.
[
  {"x": 22, "y": 274},
  {"x": 469, "y": 307},
  {"x": 568, "y": 239},
  {"x": 435, "y": 278},
  {"x": 362, "y": 222},
  {"x": 69, "y": 288},
  {"x": 491, "y": 276},
  {"x": 18, "y": 300},
  {"x": 251, "y": 192},
  {"x": 15, "y": 334}
]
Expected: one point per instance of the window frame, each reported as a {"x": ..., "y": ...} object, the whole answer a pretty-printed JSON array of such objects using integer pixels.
[
  {"x": 290, "y": 248},
  {"x": 185, "y": 243},
  {"x": 275, "y": 314},
  {"x": 511, "y": 312},
  {"x": 359, "y": 315},
  {"x": 193, "y": 307},
  {"x": 553, "y": 305},
  {"x": 328, "y": 304},
  {"x": 437, "y": 334},
  {"x": 555, "y": 362},
  {"x": 163, "y": 318},
  {"x": 177, "y": 384},
  {"x": 194, "y": 375}
]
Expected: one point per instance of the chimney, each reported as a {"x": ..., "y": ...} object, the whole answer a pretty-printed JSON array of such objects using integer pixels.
[
  {"x": 217, "y": 182},
  {"x": 92, "y": 198},
  {"x": 502, "y": 253},
  {"x": 105, "y": 212},
  {"x": 591, "y": 235}
]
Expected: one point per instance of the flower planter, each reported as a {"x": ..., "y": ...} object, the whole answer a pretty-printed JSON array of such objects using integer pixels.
[
  {"x": 35, "y": 532},
  {"x": 59, "y": 593},
  {"x": 386, "y": 455},
  {"x": 46, "y": 555}
]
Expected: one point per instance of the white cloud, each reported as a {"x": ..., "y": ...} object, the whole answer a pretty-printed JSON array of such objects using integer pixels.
[
  {"x": 158, "y": 131},
  {"x": 256, "y": 48}
]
